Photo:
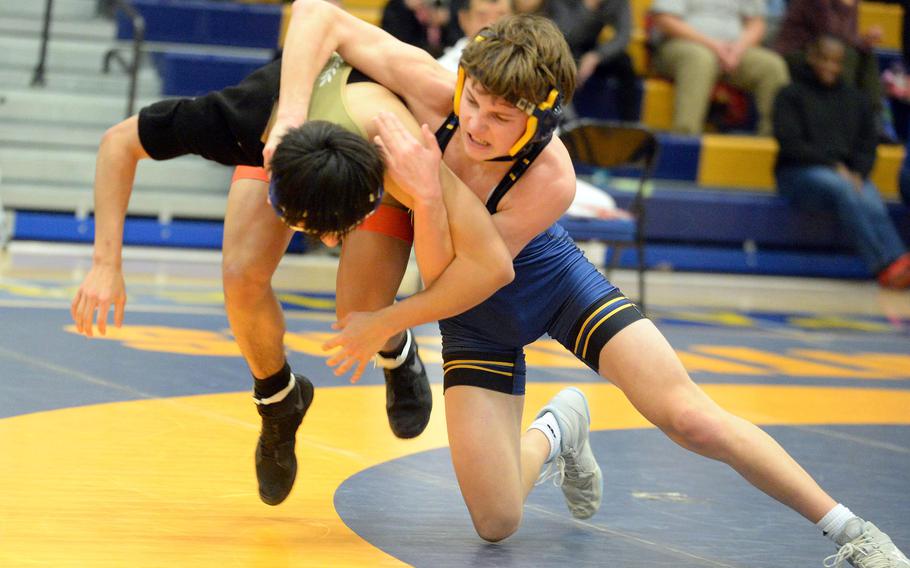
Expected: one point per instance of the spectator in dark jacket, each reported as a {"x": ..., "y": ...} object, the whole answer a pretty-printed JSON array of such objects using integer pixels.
[
  {"x": 806, "y": 20},
  {"x": 827, "y": 136},
  {"x": 424, "y": 23}
]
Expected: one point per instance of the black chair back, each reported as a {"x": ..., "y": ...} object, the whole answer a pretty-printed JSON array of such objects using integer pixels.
[{"x": 606, "y": 144}]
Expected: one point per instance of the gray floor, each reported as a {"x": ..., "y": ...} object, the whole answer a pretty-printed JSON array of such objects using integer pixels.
[{"x": 662, "y": 507}]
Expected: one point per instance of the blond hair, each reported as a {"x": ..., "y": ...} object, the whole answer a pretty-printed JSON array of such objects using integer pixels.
[{"x": 521, "y": 57}]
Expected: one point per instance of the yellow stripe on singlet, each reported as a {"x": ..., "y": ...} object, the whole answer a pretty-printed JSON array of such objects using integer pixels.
[
  {"x": 592, "y": 316},
  {"x": 478, "y": 368},
  {"x": 482, "y": 361},
  {"x": 593, "y": 329}
]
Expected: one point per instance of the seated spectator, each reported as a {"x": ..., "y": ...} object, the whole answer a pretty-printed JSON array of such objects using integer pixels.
[
  {"x": 806, "y": 20},
  {"x": 582, "y": 21},
  {"x": 699, "y": 42},
  {"x": 423, "y": 23},
  {"x": 473, "y": 16},
  {"x": 826, "y": 132}
]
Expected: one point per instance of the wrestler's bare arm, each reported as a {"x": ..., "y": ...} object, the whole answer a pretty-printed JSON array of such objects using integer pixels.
[
  {"x": 478, "y": 257},
  {"x": 478, "y": 262},
  {"x": 317, "y": 29},
  {"x": 413, "y": 172},
  {"x": 115, "y": 172},
  {"x": 481, "y": 265}
]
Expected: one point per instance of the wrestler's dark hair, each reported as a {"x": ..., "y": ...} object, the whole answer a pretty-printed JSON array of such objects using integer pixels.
[
  {"x": 522, "y": 56},
  {"x": 326, "y": 179}
]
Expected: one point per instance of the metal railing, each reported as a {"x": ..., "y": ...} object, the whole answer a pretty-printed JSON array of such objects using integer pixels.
[
  {"x": 38, "y": 77},
  {"x": 113, "y": 54}
]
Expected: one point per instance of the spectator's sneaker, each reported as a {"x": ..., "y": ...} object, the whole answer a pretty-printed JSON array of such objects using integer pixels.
[
  {"x": 408, "y": 400},
  {"x": 868, "y": 548},
  {"x": 897, "y": 274},
  {"x": 574, "y": 468},
  {"x": 276, "y": 463}
]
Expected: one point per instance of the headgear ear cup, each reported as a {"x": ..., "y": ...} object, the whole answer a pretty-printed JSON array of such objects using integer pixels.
[
  {"x": 459, "y": 87},
  {"x": 543, "y": 120}
]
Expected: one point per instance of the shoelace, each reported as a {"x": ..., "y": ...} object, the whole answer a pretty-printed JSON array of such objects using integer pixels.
[
  {"x": 271, "y": 435},
  {"x": 573, "y": 469},
  {"x": 405, "y": 385},
  {"x": 556, "y": 470},
  {"x": 277, "y": 431},
  {"x": 871, "y": 555}
]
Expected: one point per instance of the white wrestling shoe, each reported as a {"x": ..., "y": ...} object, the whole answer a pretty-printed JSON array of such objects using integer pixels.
[
  {"x": 869, "y": 548},
  {"x": 574, "y": 469}
]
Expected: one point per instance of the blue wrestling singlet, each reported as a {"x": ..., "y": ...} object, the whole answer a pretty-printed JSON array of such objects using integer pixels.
[{"x": 556, "y": 291}]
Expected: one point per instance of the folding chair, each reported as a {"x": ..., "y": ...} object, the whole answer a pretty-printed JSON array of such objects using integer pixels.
[{"x": 612, "y": 145}]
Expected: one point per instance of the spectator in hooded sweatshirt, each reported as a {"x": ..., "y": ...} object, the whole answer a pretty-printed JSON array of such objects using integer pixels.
[
  {"x": 806, "y": 20},
  {"x": 827, "y": 135}
]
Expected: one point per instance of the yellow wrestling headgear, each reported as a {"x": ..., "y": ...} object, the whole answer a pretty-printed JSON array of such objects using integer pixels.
[{"x": 543, "y": 118}]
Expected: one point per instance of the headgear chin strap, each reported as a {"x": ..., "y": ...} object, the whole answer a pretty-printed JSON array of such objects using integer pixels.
[{"x": 543, "y": 118}]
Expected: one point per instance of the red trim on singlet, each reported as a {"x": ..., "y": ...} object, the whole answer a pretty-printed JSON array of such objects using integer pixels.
[
  {"x": 250, "y": 172},
  {"x": 390, "y": 221}
]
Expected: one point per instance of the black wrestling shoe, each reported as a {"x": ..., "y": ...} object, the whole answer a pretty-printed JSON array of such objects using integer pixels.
[
  {"x": 276, "y": 463},
  {"x": 408, "y": 400}
]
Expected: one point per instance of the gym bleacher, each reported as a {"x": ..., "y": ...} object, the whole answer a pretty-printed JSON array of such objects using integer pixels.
[{"x": 713, "y": 206}]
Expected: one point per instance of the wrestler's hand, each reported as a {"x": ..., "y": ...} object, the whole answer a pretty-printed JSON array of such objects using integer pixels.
[
  {"x": 730, "y": 56},
  {"x": 362, "y": 335},
  {"x": 586, "y": 66},
  {"x": 102, "y": 287},
  {"x": 276, "y": 133},
  {"x": 412, "y": 164}
]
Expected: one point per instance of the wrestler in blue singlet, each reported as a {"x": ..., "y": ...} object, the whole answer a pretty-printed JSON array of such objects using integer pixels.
[{"x": 556, "y": 291}]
